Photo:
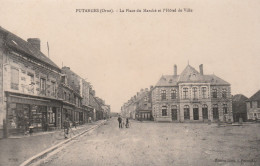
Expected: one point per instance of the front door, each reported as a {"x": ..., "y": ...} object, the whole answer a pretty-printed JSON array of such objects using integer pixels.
[
  {"x": 215, "y": 114},
  {"x": 195, "y": 113},
  {"x": 174, "y": 114},
  {"x": 205, "y": 113}
]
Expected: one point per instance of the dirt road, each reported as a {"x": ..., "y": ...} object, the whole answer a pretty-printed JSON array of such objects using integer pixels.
[{"x": 151, "y": 143}]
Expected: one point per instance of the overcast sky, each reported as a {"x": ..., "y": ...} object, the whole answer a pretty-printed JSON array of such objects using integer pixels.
[{"x": 120, "y": 53}]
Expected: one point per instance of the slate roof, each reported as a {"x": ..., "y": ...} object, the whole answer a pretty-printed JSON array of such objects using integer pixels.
[
  {"x": 23, "y": 46},
  {"x": 255, "y": 97},
  {"x": 190, "y": 75}
]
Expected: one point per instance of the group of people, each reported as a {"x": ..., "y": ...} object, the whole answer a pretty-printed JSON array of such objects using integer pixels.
[{"x": 123, "y": 123}]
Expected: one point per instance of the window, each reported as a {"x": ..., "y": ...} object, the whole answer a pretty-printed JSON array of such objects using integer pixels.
[
  {"x": 251, "y": 105},
  {"x": 194, "y": 92},
  {"x": 225, "y": 108},
  {"x": 186, "y": 112},
  {"x": 164, "y": 111},
  {"x": 31, "y": 78},
  {"x": 185, "y": 93},
  {"x": 173, "y": 94},
  {"x": 204, "y": 90},
  {"x": 258, "y": 104},
  {"x": 65, "y": 96},
  {"x": 224, "y": 93},
  {"x": 145, "y": 99},
  {"x": 215, "y": 93},
  {"x": 163, "y": 94},
  {"x": 69, "y": 97},
  {"x": 53, "y": 88},
  {"x": 14, "y": 78},
  {"x": 43, "y": 86}
]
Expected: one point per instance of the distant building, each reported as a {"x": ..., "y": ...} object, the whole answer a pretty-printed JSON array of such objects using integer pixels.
[
  {"x": 253, "y": 106},
  {"x": 144, "y": 105},
  {"x": 191, "y": 96},
  {"x": 239, "y": 107},
  {"x": 139, "y": 106}
]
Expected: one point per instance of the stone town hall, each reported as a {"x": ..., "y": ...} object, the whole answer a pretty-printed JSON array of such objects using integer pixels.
[{"x": 191, "y": 96}]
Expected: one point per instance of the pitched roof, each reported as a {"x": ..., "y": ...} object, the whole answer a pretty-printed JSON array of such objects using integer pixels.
[
  {"x": 168, "y": 80},
  {"x": 190, "y": 75},
  {"x": 239, "y": 97},
  {"x": 256, "y": 96},
  {"x": 23, "y": 46}
]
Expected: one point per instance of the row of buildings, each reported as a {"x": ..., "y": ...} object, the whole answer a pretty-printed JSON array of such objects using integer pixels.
[
  {"x": 185, "y": 97},
  {"x": 35, "y": 91}
]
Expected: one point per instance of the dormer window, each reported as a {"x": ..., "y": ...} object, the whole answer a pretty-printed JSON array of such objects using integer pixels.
[{"x": 64, "y": 79}]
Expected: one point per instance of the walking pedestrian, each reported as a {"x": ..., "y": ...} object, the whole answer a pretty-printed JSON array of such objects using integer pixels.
[
  {"x": 119, "y": 121},
  {"x": 66, "y": 126}
]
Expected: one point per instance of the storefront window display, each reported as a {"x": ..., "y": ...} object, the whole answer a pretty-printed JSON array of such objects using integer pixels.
[{"x": 18, "y": 116}]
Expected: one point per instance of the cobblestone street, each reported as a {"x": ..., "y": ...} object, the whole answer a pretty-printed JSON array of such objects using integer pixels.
[{"x": 149, "y": 143}]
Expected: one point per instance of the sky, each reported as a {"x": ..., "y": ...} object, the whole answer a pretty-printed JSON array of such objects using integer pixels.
[{"x": 121, "y": 53}]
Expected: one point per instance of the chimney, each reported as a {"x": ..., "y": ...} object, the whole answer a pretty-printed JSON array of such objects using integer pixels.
[
  {"x": 201, "y": 69},
  {"x": 151, "y": 87},
  {"x": 36, "y": 42},
  {"x": 175, "y": 70}
]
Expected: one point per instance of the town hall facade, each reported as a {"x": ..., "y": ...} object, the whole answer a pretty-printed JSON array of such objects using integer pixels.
[{"x": 191, "y": 96}]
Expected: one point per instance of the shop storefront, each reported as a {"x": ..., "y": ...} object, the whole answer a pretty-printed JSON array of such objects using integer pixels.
[{"x": 25, "y": 111}]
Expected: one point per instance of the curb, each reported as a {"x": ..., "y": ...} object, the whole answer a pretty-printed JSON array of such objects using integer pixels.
[{"x": 44, "y": 153}]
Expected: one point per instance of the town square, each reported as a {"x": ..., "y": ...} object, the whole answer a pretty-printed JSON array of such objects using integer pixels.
[{"x": 129, "y": 83}]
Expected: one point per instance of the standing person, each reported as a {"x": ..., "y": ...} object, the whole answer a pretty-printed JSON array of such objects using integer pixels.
[
  {"x": 66, "y": 126},
  {"x": 127, "y": 123},
  {"x": 119, "y": 121}
]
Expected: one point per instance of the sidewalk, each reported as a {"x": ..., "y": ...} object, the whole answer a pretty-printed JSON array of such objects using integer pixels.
[{"x": 16, "y": 150}]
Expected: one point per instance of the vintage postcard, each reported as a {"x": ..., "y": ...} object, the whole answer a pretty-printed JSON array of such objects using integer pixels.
[{"x": 129, "y": 82}]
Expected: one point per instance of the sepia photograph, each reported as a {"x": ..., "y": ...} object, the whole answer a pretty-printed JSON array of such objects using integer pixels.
[{"x": 129, "y": 83}]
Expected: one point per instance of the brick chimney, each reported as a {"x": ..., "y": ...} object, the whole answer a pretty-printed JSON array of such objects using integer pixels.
[
  {"x": 201, "y": 69},
  {"x": 36, "y": 42},
  {"x": 175, "y": 70}
]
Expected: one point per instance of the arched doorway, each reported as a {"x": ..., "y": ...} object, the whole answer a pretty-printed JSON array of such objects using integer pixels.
[
  {"x": 186, "y": 112},
  {"x": 215, "y": 112},
  {"x": 205, "y": 111},
  {"x": 174, "y": 112},
  {"x": 195, "y": 112}
]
